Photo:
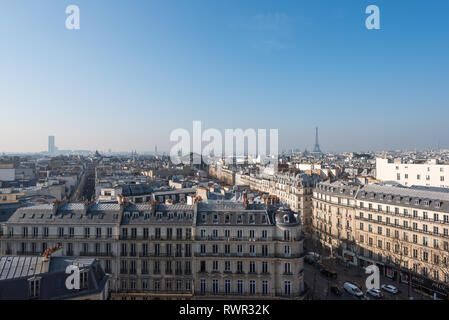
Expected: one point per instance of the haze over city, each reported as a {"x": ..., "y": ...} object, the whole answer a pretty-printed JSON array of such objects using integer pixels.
[
  {"x": 135, "y": 72},
  {"x": 218, "y": 158}
]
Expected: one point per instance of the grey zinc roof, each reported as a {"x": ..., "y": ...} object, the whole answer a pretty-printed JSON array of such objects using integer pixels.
[
  {"x": 175, "y": 207},
  {"x": 60, "y": 263},
  {"x": 45, "y": 206},
  {"x": 73, "y": 206},
  {"x": 19, "y": 266},
  {"x": 69, "y": 213},
  {"x": 405, "y": 197},
  {"x": 105, "y": 206},
  {"x": 407, "y": 192},
  {"x": 177, "y": 191}
]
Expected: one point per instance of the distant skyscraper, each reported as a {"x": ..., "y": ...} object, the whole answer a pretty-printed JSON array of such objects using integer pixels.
[
  {"x": 51, "y": 144},
  {"x": 316, "y": 149}
]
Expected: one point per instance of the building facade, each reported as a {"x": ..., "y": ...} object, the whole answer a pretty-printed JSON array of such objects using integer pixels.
[
  {"x": 164, "y": 251},
  {"x": 404, "y": 231},
  {"x": 430, "y": 173}
]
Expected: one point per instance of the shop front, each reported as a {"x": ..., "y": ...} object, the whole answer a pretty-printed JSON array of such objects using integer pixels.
[
  {"x": 429, "y": 286},
  {"x": 391, "y": 273},
  {"x": 349, "y": 257}
]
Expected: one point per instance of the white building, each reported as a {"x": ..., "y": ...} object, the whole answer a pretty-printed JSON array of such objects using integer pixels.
[{"x": 429, "y": 173}]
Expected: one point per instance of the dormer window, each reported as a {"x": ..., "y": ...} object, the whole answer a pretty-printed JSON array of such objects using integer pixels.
[
  {"x": 438, "y": 204},
  {"x": 135, "y": 214},
  {"x": 240, "y": 219},
  {"x": 426, "y": 202},
  {"x": 264, "y": 219},
  {"x": 251, "y": 219},
  {"x": 146, "y": 216},
  {"x": 159, "y": 215},
  {"x": 34, "y": 285},
  {"x": 127, "y": 214},
  {"x": 215, "y": 218},
  {"x": 286, "y": 218}
]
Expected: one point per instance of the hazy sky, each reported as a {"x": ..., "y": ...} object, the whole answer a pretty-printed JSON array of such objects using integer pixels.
[{"x": 138, "y": 69}]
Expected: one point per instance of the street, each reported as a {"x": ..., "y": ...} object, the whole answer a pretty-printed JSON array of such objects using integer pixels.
[
  {"x": 85, "y": 188},
  {"x": 321, "y": 289}
]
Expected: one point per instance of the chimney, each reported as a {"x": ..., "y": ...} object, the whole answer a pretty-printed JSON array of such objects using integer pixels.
[
  {"x": 191, "y": 199},
  {"x": 55, "y": 251}
]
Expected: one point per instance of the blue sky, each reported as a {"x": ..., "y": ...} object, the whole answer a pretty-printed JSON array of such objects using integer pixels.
[{"x": 138, "y": 69}]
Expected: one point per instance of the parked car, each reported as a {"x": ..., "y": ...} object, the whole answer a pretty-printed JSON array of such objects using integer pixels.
[
  {"x": 352, "y": 289},
  {"x": 376, "y": 293},
  {"x": 328, "y": 273},
  {"x": 336, "y": 291},
  {"x": 312, "y": 257},
  {"x": 389, "y": 288},
  {"x": 308, "y": 260}
]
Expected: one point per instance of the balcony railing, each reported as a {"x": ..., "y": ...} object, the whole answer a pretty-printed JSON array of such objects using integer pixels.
[{"x": 29, "y": 253}]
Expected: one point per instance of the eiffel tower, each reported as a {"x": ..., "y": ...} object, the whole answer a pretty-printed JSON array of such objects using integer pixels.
[{"x": 316, "y": 149}]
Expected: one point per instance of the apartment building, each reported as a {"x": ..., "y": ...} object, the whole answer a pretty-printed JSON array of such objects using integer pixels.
[
  {"x": 404, "y": 231},
  {"x": 156, "y": 252},
  {"x": 221, "y": 250},
  {"x": 294, "y": 190},
  {"x": 246, "y": 252},
  {"x": 334, "y": 218},
  {"x": 80, "y": 230},
  {"x": 43, "y": 278},
  {"x": 429, "y": 173}
]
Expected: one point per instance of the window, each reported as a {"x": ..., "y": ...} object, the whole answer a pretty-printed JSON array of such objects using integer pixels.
[
  {"x": 264, "y": 287},
  {"x": 215, "y": 286},
  {"x": 227, "y": 286},
  {"x": 240, "y": 286},
  {"x": 84, "y": 279},
  {"x": 252, "y": 287},
  {"x": 287, "y": 268},
  {"x": 34, "y": 287},
  {"x": 203, "y": 286},
  {"x": 287, "y": 288}
]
